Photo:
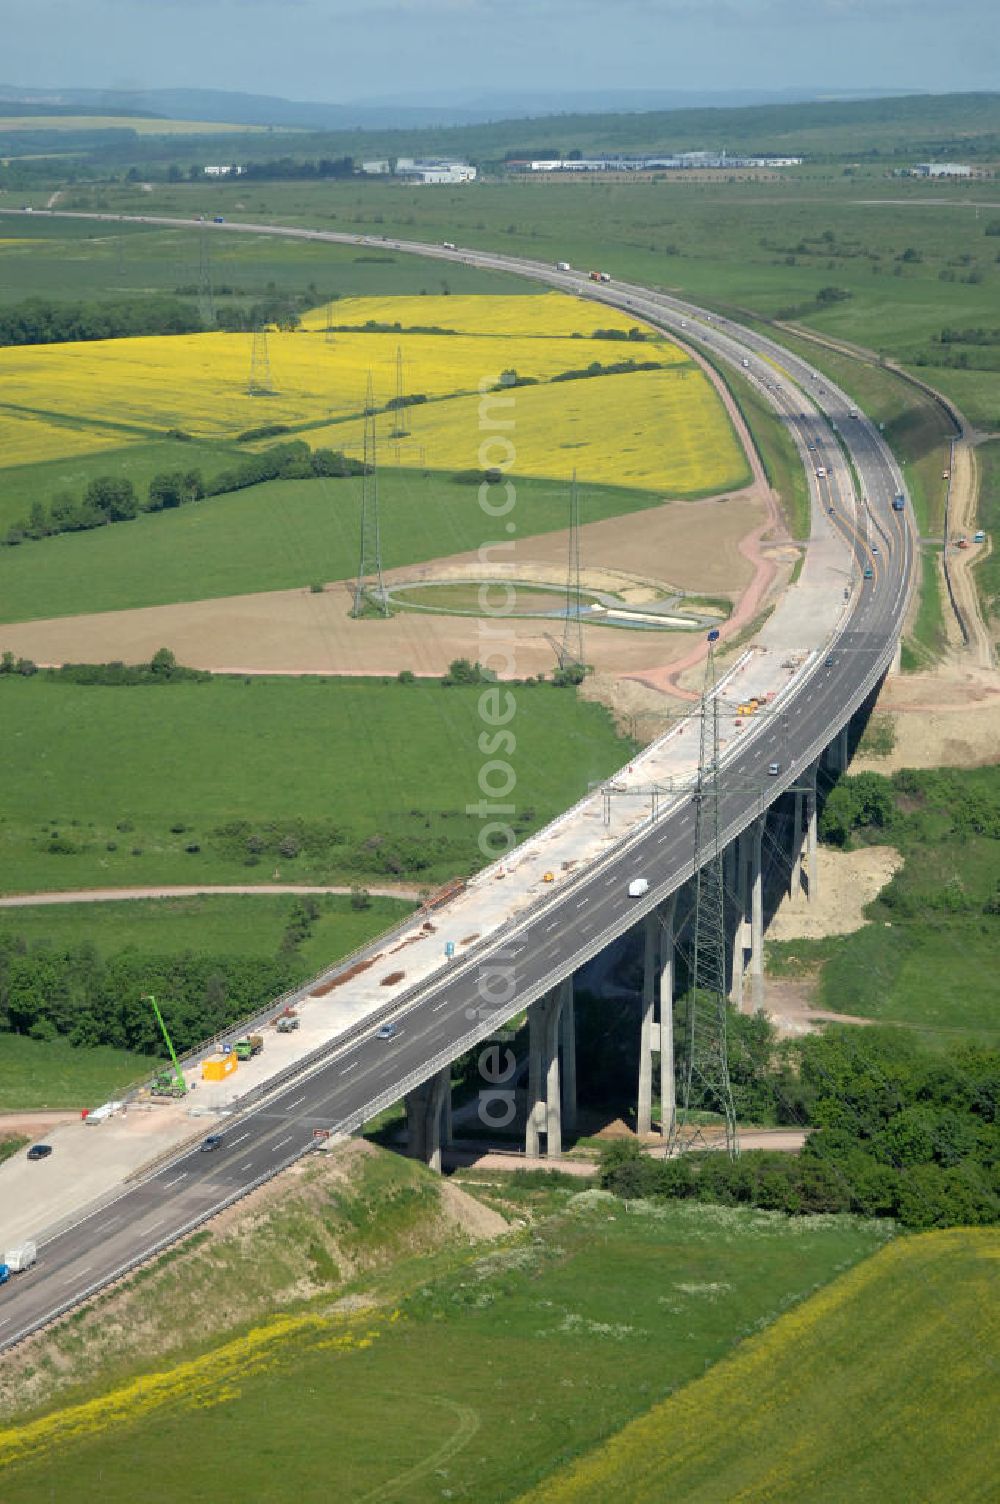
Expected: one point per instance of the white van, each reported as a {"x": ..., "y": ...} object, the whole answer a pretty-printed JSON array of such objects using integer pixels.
[{"x": 637, "y": 887}]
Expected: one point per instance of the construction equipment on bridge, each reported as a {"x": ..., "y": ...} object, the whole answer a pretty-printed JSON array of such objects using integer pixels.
[
  {"x": 219, "y": 1068},
  {"x": 705, "y": 1080},
  {"x": 288, "y": 1021},
  {"x": 245, "y": 1049},
  {"x": 166, "y": 1083},
  {"x": 369, "y": 589}
]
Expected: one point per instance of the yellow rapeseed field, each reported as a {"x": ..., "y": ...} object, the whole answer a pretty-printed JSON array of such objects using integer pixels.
[
  {"x": 664, "y": 429},
  {"x": 541, "y": 316},
  {"x": 24, "y": 440},
  {"x": 199, "y": 381},
  {"x": 659, "y": 430},
  {"x": 882, "y": 1386}
]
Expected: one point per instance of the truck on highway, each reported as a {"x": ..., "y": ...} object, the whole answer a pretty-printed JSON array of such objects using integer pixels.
[
  {"x": 563, "y": 266},
  {"x": 16, "y": 1260},
  {"x": 898, "y": 502},
  {"x": 600, "y": 276},
  {"x": 245, "y": 1049}
]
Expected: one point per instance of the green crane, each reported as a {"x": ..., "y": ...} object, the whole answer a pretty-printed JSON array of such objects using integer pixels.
[{"x": 181, "y": 1086}]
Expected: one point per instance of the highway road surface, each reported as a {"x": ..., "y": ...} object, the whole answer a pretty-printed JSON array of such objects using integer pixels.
[{"x": 445, "y": 1015}]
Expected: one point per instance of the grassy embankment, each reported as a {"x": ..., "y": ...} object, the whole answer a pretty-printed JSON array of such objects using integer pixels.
[
  {"x": 987, "y": 571},
  {"x": 925, "y": 959},
  {"x": 304, "y": 1405},
  {"x": 844, "y": 1398}
]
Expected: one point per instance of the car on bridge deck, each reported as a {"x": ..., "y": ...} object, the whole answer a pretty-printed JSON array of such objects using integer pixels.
[
  {"x": 39, "y": 1151},
  {"x": 869, "y": 572},
  {"x": 773, "y": 769},
  {"x": 210, "y": 1144},
  {"x": 387, "y": 1031}
]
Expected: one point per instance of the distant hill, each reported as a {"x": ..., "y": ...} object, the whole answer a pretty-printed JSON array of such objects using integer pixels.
[{"x": 400, "y": 111}]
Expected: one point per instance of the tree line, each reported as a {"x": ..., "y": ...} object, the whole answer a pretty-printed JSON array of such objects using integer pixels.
[
  {"x": 897, "y": 1130},
  {"x": 112, "y": 498},
  {"x": 39, "y": 321}
]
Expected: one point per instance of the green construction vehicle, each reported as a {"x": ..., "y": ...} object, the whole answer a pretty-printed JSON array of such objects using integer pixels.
[
  {"x": 245, "y": 1049},
  {"x": 166, "y": 1083}
]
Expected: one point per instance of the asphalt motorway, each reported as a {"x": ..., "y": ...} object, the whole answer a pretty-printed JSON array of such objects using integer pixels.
[{"x": 450, "y": 1011}]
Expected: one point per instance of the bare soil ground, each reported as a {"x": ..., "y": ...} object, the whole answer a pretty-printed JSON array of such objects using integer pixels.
[
  {"x": 697, "y": 546},
  {"x": 949, "y": 718},
  {"x": 847, "y": 882}
]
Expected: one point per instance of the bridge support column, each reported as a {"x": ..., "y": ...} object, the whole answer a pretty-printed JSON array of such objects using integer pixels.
[
  {"x": 644, "y": 1111},
  {"x": 812, "y": 878},
  {"x": 839, "y": 751},
  {"x": 426, "y": 1106},
  {"x": 796, "y": 878},
  {"x": 544, "y": 1111},
  {"x": 668, "y": 1085},
  {"x": 739, "y": 849},
  {"x": 896, "y": 666},
  {"x": 756, "y": 917},
  {"x": 567, "y": 1027}
]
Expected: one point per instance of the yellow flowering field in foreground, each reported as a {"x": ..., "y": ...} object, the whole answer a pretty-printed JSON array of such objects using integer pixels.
[
  {"x": 543, "y": 315},
  {"x": 659, "y": 430},
  {"x": 25, "y": 439},
  {"x": 198, "y": 382},
  {"x": 883, "y": 1385},
  {"x": 198, "y": 1383}
]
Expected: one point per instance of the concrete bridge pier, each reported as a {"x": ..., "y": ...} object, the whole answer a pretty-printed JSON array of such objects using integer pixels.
[
  {"x": 428, "y": 1118},
  {"x": 756, "y": 842},
  {"x": 805, "y": 799},
  {"x": 812, "y": 816},
  {"x": 656, "y": 1032},
  {"x": 544, "y": 1105},
  {"x": 567, "y": 1030},
  {"x": 738, "y": 888}
]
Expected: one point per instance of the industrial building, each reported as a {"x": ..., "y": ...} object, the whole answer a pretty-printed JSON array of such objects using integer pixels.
[
  {"x": 681, "y": 161},
  {"x": 941, "y": 170}
]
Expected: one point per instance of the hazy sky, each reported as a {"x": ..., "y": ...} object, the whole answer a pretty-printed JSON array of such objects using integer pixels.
[{"x": 338, "y": 50}]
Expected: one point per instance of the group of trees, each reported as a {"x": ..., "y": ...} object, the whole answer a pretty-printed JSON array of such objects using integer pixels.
[
  {"x": 111, "y": 498},
  {"x": 897, "y": 1131},
  {"x": 38, "y": 321}
]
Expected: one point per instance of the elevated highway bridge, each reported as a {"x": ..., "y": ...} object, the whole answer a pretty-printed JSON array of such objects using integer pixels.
[{"x": 826, "y": 647}]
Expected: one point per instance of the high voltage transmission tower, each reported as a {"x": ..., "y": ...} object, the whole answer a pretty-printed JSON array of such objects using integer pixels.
[
  {"x": 206, "y": 302},
  {"x": 705, "y": 1083},
  {"x": 259, "y": 384},
  {"x": 369, "y": 590},
  {"x": 399, "y": 429},
  {"x": 570, "y": 651}
]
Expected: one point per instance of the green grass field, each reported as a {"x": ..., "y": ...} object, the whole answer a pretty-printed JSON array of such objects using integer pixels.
[
  {"x": 94, "y": 778},
  {"x": 987, "y": 571},
  {"x": 73, "y": 259},
  {"x": 276, "y": 536},
  {"x": 503, "y": 1365},
  {"x": 54, "y": 1074},
  {"x": 879, "y": 1387}
]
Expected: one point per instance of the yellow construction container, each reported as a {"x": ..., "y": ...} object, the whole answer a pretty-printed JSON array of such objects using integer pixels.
[{"x": 218, "y": 1069}]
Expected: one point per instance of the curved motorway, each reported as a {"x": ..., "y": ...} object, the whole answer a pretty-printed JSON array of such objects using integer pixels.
[{"x": 444, "y": 1016}]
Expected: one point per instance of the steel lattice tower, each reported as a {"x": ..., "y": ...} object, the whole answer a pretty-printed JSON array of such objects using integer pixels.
[
  {"x": 706, "y": 1082},
  {"x": 399, "y": 429},
  {"x": 369, "y": 590},
  {"x": 206, "y": 301},
  {"x": 571, "y": 649},
  {"x": 259, "y": 384}
]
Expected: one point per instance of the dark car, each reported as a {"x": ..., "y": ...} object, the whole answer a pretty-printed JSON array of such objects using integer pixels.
[
  {"x": 214, "y": 1141},
  {"x": 39, "y": 1151}
]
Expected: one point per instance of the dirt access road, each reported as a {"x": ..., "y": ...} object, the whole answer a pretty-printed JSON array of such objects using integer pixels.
[{"x": 122, "y": 895}]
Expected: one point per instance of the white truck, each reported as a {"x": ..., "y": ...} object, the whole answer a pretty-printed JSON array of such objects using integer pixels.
[
  {"x": 16, "y": 1260},
  {"x": 563, "y": 266}
]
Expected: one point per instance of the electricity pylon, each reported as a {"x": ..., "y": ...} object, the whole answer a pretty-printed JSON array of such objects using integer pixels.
[
  {"x": 399, "y": 429},
  {"x": 705, "y": 1083},
  {"x": 369, "y": 590},
  {"x": 259, "y": 384},
  {"x": 571, "y": 648}
]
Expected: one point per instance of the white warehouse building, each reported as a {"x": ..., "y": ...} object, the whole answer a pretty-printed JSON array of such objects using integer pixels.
[{"x": 941, "y": 170}]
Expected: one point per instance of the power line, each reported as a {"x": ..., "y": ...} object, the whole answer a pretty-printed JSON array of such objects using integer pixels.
[{"x": 259, "y": 384}]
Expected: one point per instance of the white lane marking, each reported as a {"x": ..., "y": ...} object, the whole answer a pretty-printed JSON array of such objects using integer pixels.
[
  {"x": 75, "y": 1276},
  {"x": 155, "y": 1224},
  {"x": 235, "y": 1141},
  {"x": 247, "y": 1165},
  {"x": 112, "y": 1223},
  {"x": 280, "y": 1142},
  {"x": 443, "y": 1004},
  {"x": 297, "y": 1103},
  {"x": 353, "y": 1066},
  {"x": 168, "y": 1183}
]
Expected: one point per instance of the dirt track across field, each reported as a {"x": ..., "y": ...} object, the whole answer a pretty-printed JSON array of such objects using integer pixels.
[{"x": 120, "y": 895}]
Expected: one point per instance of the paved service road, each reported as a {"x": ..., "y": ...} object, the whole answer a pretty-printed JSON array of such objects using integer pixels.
[{"x": 446, "y": 1014}]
